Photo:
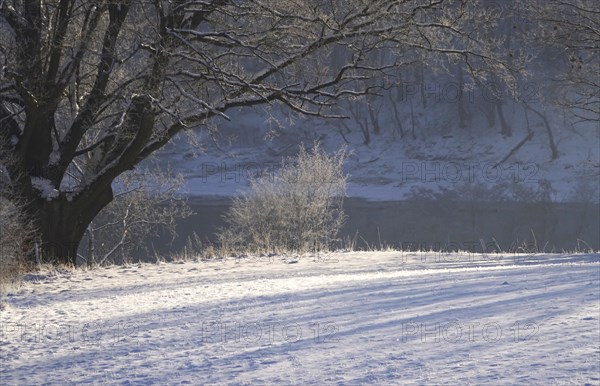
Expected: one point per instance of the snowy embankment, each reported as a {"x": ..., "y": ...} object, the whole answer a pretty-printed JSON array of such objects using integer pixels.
[{"x": 352, "y": 318}]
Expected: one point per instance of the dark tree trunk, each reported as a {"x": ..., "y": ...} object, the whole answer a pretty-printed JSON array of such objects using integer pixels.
[{"x": 61, "y": 224}]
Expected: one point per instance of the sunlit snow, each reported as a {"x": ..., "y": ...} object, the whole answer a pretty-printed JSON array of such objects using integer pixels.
[{"x": 345, "y": 319}]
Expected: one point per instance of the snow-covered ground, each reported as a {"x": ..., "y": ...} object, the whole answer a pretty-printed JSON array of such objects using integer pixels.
[{"x": 350, "y": 318}]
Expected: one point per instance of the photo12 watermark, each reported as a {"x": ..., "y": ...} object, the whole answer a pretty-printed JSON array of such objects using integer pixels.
[
  {"x": 468, "y": 332},
  {"x": 468, "y": 171},
  {"x": 267, "y": 333},
  {"x": 456, "y": 92},
  {"x": 96, "y": 333},
  {"x": 466, "y": 251},
  {"x": 237, "y": 173},
  {"x": 275, "y": 258}
]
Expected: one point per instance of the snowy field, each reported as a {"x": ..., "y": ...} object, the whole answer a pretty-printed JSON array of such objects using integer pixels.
[{"x": 346, "y": 319}]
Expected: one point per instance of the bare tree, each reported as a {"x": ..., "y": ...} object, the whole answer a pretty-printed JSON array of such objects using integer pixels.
[
  {"x": 572, "y": 29},
  {"x": 88, "y": 89}
]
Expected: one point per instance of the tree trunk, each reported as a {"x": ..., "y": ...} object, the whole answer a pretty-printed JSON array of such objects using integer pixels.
[
  {"x": 505, "y": 128},
  {"x": 61, "y": 224},
  {"x": 463, "y": 115}
]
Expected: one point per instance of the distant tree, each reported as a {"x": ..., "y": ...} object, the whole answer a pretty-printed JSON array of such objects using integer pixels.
[
  {"x": 89, "y": 89},
  {"x": 572, "y": 28}
]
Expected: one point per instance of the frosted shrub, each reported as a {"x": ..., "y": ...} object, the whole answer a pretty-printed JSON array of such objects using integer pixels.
[
  {"x": 14, "y": 237},
  {"x": 15, "y": 231},
  {"x": 299, "y": 208}
]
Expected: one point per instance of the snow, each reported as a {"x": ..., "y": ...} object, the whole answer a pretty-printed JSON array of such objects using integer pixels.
[
  {"x": 45, "y": 187},
  {"x": 346, "y": 318},
  {"x": 391, "y": 168},
  {"x": 54, "y": 157}
]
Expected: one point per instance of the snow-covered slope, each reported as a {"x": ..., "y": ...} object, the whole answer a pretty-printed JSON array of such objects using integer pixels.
[
  {"x": 441, "y": 159},
  {"x": 352, "y": 318}
]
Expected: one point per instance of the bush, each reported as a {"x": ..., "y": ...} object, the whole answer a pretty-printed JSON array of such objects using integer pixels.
[
  {"x": 297, "y": 209},
  {"x": 15, "y": 234}
]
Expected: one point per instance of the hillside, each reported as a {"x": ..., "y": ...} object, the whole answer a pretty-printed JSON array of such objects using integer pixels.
[{"x": 439, "y": 155}]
